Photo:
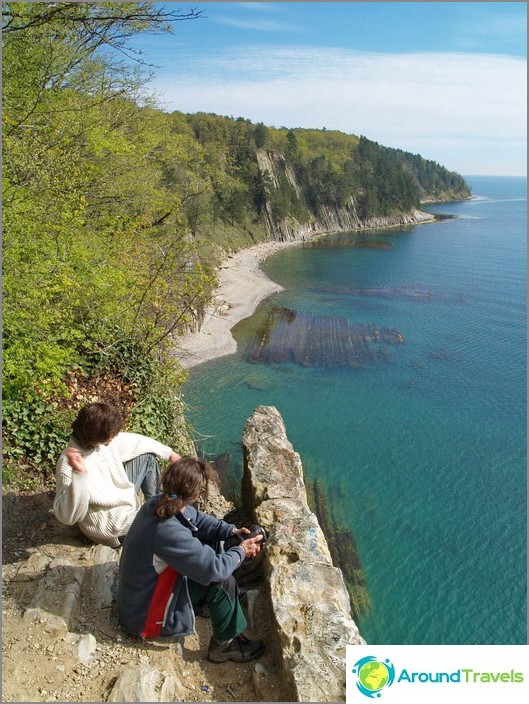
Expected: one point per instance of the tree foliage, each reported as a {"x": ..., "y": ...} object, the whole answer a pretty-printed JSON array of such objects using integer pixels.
[
  {"x": 95, "y": 250},
  {"x": 115, "y": 212}
]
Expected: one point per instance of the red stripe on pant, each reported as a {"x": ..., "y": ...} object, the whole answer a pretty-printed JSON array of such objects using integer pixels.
[{"x": 160, "y": 599}]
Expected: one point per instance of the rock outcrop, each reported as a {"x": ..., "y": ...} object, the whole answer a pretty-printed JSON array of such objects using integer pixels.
[
  {"x": 65, "y": 595},
  {"x": 329, "y": 219},
  {"x": 308, "y": 595}
]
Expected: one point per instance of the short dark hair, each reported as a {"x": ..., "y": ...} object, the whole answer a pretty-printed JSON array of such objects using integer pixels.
[
  {"x": 96, "y": 423},
  {"x": 181, "y": 482}
]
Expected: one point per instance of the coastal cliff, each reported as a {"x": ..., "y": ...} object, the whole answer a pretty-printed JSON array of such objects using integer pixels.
[
  {"x": 277, "y": 170},
  {"x": 137, "y": 266}
]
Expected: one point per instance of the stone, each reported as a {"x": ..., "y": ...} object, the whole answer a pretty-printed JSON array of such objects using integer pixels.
[
  {"x": 309, "y": 599},
  {"x": 145, "y": 684},
  {"x": 28, "y": 573},
  {"x": 136, "y": 685},
  {"x": 169, "y": 689},
  {"x": 59, "y": 590},
  {"x": 56, "y": 626},
  {"x": 329, "y": 218},
  {"x": 33, "y": 567},
  {"x": 86, "y": 648},
  {"x": 103, "y": 575}
]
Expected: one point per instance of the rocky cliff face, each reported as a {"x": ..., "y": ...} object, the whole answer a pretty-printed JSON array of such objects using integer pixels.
[
  {"x": 309, "y": 599},
  {"x": 329, "y": 219}
]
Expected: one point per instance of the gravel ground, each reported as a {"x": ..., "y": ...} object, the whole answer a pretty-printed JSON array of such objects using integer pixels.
[{"x": 37, "y": 667}]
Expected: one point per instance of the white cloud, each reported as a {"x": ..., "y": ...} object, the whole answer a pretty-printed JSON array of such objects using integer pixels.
[
  {"x": 412, "y": 101},
  {"x": 254, "y": 25},
  {"x": 476, "y": 24},
  {"x": 258, "y": 6}
]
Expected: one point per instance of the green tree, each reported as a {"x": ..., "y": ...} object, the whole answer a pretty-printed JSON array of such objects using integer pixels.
[
  {"x": 260, "y": 135},
  {"x": 94, "y": 248}
]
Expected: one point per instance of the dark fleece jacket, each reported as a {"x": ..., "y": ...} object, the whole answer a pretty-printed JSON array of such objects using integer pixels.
[{"x": 157, "y": 559}]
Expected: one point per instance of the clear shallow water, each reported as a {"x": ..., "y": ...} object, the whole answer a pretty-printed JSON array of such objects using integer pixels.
[{"x": 421, "y": 455}]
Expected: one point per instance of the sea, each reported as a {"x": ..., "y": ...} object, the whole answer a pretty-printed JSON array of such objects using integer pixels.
[{"x": 397, "y": 358}]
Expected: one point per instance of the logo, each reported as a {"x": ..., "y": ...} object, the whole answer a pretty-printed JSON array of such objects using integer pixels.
[{"x": 373, "y": 675}]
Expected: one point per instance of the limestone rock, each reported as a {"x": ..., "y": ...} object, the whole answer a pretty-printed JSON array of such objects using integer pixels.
[
  {"x": 308, "y": 595},
  {"x": 216, "y": 504},
  {"x": 169, "y": 690},
  {"x": 27, "y": 576},
  {"x": 136, "y": 685},
  {"x": 56, "y": 626},
  {"x": 33, "y": 567},
  {"x": 103, "y": 575},
  {"x": 329, "y": 219},
  {"x": 59, "y": 590},
  {"x": 144, "y": 684},
  {"x": 86, "y": 648}
]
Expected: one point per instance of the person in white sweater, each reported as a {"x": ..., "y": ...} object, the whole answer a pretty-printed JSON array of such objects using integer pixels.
[{"x": 100, "y": 471}]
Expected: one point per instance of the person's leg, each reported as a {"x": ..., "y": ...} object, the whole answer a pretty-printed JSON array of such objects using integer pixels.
[
  {"x": 227, "y": 621},
  {"x": 143, "y": 471},
  {"x": 221, "y": 598}
]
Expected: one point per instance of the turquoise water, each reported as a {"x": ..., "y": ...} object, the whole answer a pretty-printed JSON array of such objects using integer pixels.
[{"x": 421, "y": 450}]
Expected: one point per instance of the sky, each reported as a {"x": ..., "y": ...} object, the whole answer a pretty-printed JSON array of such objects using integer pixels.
[{"x": 446, "y": 80}]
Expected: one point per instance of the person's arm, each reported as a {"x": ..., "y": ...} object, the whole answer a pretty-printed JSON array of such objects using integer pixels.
[
  {"x": 131, "y": 445},
  {"x": 209, "y": 528},
  {"x": 175, "y": 545},
  {"x": 213, "y": 529},
  {"x": 72, "y": 496}
]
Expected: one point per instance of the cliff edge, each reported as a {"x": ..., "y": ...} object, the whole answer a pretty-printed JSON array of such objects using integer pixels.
[
  {"x": 330, "y": 218},
  {"x": 309, "y": 599},
  {"x": 62, "y": 641}
]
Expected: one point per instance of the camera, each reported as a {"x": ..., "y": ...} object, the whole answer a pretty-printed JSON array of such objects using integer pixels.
[{"x": 237, "y": 539}]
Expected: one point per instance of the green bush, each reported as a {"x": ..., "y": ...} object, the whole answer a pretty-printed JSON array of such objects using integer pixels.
[
  {"x": 34, "y": 431},
  {"x": 156, "y": 378}
]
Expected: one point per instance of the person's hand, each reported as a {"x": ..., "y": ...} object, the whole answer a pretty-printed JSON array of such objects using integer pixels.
[
  {"x": 252, "y": 545},
  {"x": 241, "y": 531},
  {"x": 76, "y": 460},
  {"x": 174, "y": 457}
]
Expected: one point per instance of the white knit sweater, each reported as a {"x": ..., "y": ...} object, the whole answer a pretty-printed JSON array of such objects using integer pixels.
[{"x": 102, "y": 500}]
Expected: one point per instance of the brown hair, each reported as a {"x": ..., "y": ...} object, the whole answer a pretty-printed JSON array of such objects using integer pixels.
[
  {"x": 182, "y": 481},
  {"x": 96, "y": 423}
]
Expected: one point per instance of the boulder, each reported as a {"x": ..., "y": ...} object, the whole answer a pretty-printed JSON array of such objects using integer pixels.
[
  {"x": 308, "y": 595},
  {"x": 59, "y": 590}
]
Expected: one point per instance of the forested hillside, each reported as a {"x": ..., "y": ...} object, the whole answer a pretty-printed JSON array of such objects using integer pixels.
[{"x": 115, "y": 214}]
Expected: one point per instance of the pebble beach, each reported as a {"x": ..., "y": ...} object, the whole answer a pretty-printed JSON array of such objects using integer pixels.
[{"x": 241, "y": 286}]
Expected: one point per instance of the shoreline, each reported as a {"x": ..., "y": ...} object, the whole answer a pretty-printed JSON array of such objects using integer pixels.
[{"x": 241, "y": 286}]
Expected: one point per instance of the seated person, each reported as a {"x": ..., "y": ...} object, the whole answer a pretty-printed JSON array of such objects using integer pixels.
[
  {"x": 166, "y": 568},
  {"x": 99, "y": 473}
]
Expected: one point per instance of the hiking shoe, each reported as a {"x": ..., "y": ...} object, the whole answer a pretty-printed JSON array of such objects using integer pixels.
[{"x": 240, "y": 649}]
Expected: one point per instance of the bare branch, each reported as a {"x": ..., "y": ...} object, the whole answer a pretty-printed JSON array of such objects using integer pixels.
[{"x": 71, "y": 12}]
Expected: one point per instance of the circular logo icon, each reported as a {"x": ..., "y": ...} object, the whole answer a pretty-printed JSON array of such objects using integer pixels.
[{"x": 373, "y": 675}]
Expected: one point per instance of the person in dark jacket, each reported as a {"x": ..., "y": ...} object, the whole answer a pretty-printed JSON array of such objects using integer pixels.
[{"x": 167, "y": 568}]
